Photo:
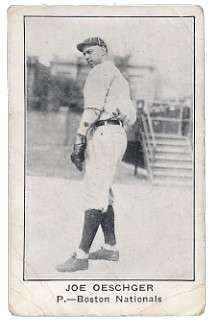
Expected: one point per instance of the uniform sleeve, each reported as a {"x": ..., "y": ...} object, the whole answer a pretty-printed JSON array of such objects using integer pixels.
[
  {"x": 131, "y": 118},
  {"x": 96, "y": 87}
]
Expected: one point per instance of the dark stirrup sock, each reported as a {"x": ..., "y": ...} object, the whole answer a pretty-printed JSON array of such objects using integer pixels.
[
  {"x": 92, "y": 220},
  {"x": 108, "y": 226}
]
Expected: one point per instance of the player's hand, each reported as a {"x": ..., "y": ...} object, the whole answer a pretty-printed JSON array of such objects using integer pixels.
[{"x": 78, "y": 153}]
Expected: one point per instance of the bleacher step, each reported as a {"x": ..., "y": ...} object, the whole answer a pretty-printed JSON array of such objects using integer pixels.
[
  {"x": 171, "y": 164},
  {"x": 171, "y": 173},
  {"x": 182, "y": 157}
]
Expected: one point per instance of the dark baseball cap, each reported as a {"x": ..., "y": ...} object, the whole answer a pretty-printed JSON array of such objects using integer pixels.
[{"x": 90, "y": 42}]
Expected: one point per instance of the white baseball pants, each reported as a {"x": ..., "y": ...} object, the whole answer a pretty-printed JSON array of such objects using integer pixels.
[{"x": 106, "y": 146}]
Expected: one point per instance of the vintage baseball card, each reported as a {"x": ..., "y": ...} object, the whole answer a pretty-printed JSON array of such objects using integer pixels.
[{"x": 106, "y": 160}]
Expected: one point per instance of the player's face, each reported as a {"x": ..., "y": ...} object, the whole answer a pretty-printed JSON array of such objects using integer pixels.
[{"x": 94, "y": 55}]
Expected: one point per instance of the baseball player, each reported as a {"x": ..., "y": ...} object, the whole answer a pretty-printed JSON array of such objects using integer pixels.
[{"x": 100, "y": 144}]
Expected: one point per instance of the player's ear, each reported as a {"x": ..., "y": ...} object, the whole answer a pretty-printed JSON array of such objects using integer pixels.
[{"x": 104, "y": 51}]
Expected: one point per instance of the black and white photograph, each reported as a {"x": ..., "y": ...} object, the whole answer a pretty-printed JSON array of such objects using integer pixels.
[
  {"x": 122, "y": 106},
  {"x": 110, "y": 149}
]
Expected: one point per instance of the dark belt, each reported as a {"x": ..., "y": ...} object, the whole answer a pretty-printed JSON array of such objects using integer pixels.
[{"x": 108, "y": 122}]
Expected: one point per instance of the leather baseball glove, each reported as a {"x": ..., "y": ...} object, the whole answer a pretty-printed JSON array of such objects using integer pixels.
[{"x": 78, "y": 154}]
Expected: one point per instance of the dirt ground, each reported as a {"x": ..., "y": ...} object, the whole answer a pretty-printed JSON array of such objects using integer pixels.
[{"x": 154, "y": 227}]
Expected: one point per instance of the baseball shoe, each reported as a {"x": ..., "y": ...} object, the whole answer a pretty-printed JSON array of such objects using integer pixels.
[
  {"x": 104, "y": 254},
  {"x": 73, "y": 264}
]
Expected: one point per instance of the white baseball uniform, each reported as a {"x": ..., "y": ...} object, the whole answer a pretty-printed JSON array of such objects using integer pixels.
[{"x": 105, "y": 90}]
